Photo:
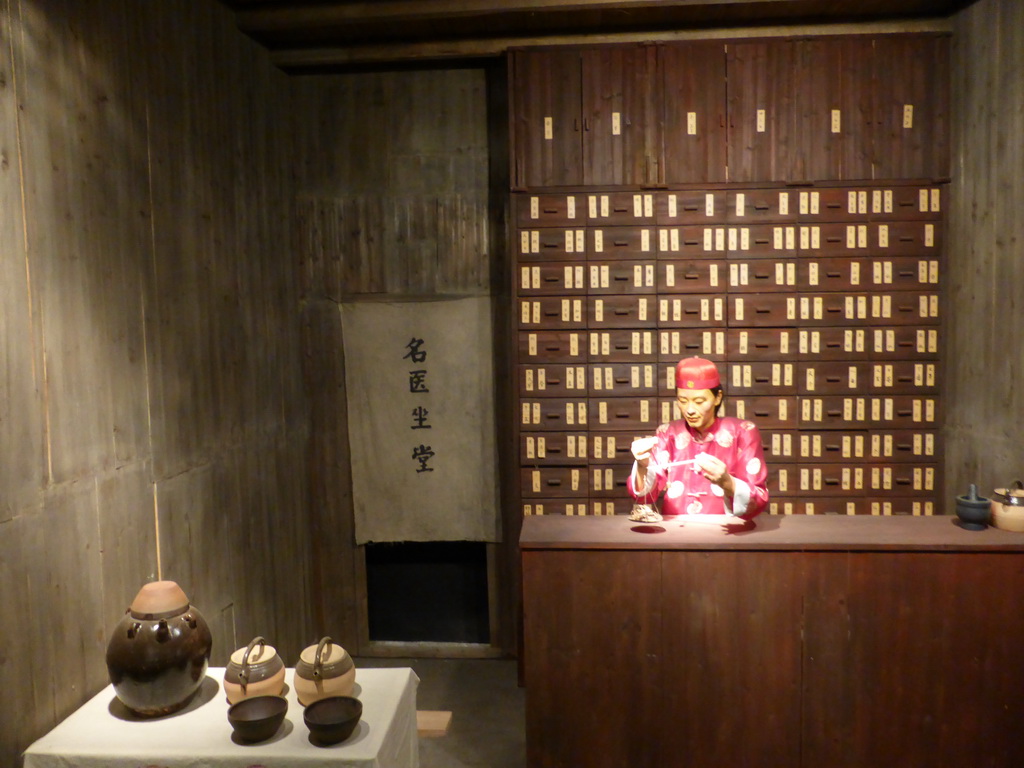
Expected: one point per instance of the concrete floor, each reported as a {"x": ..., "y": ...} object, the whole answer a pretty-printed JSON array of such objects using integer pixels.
[{"x": 488, "y": 728}]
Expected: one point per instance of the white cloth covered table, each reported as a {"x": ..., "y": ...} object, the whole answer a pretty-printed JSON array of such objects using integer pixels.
[{"x": 103, "y": 732}]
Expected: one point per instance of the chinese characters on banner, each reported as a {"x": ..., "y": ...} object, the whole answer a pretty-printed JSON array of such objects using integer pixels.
[{"x": 418, "y": 386}]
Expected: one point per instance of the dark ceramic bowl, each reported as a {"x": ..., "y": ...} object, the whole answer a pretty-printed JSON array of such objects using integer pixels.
[
  {"x": 333, "y": 719},
  {"x": 257, "y": 718}
]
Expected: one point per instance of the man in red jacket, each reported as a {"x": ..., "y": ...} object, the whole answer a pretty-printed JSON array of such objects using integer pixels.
[{"x": 705, "y": 464}]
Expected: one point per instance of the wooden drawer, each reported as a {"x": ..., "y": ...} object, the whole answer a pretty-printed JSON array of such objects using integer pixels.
[
  {"x": 624, "y": 413},
  {"x": 624, "y": 379},
  {"x": 907, "y": 238},
  {"x": 608, "y": 447},
  {"x": 620, "y": 208},
  {"x": 622, "y": 242},
  {"x": 876, "y": 273},
  {"x": 888, "y": 343},
  {"x": 550, "y": 210},
  {"x": 552, "y": 413},
  {"x": 554, "y": 449},
  {"x": 618, "y": 277},
  {"x": 610, "y": 506},
  {"x": 543, "y": 245},
  {"x": 761, "y": 205},
  {"x": 845, "y": 445},
  {"x": 609, "y": 481},
  {"x": 621, "y": 311},
  {"x": 546, "y": 482},
  {"x": 897, "y": 308},
  {"x": 853, "y": 505},
  {"x": 690, "y": 206},
  {"x": 554, "y": 506},
  {"x": 691, "y": 311},
  {"x": 828, "y": 239},
  {"x": 766, "y": 275},
  {"x": 552, "y": 279},
  {"x": 553, "y": 313},
  {"x": 552, "y": 346},
  {"x": 842, "y": 378},
  {"x": 761, "y": 344},
  {"x": 553, "y": 380},
  {"x": 690, "y": 276},
  {"x": 857, "y": 479},
  {"x": 622, "y": 346},
  {"x": 674, "y": 345},
  {"x": 781, "y": 478},
  {"x": 911, "y": 202},
  {"x": 760, "y": 378},
  {"x": 895, "y": 412},
  {"x": 766, "y": 412}
]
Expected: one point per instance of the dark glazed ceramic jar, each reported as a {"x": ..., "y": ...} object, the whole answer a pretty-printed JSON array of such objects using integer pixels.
[{"x": 158, "y": 653}]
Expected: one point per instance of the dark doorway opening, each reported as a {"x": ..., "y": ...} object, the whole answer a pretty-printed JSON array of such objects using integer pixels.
[{"x": 428, "y": 592}]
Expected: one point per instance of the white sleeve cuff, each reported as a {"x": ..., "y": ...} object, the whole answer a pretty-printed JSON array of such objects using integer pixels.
[
  {"x": 648, "y": 481},
  {"x": 740, "y": 498}
]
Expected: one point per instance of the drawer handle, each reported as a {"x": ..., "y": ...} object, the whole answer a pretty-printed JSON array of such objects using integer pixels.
[
  {"x": 554, "y": 483},
  {"x": 761, "y": 379},
  {"x": 621, "y": 312},
  {"x": 834, "y": 414},
  {"x": 551, "y": 245},
  {"x": 762, "y": 311},
  {"x": 762, "y": 414},
  {"x": 833, "y": 344},
  {"x": 903, "y": 446},
  {"x": 761, "y": 276},
  {"x": 902, "y": 481},
  {"x": 620, "y": 243},
  {"x": 833, "y": 275},
  {"x": 761, "y": 241},
  {"x": 833, "y": 379},
  {"x": 904, "y": 413},
  {"x": 906, "y": 273},
  {"x": 833, "y": 239},
  {"x": 831, "y": 481},
  {"x": 691, "y": 276},
  {"x": 620, "y": 210}
]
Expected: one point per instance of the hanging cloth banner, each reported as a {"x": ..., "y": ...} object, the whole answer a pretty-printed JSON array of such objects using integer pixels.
[{"x": 421, "y": 430}]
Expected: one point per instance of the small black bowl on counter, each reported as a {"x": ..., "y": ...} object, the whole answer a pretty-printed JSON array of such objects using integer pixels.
[
  {"x": 258, "y": 717},
  {"x": 333, "y": 719}
]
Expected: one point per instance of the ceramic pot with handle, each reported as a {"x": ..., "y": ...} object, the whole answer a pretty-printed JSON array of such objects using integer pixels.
[
  {"x": 323, "y": 670},
  {"x": 1008, "y": 507},
  {"x": 256, "y": 670},
  {"x": 159, "y": 652}
]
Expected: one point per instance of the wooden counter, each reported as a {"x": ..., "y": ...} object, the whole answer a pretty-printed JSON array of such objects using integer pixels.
[{"x": 814, "y": 641}]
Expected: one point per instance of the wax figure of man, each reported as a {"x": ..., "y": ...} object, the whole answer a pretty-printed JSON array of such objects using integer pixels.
[{"x": 727, "y": 474}]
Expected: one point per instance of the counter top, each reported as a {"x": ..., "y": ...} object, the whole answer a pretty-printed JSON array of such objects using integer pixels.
[{"x": 766, "y": 532}]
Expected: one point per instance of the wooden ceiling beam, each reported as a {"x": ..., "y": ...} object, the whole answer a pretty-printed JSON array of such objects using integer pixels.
[
  {"x": 349, "y": 56},
  {"x": 297, "y": 17}
]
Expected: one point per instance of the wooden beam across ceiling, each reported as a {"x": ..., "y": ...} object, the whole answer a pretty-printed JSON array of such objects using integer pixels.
[{"x": 345, "y": 34}]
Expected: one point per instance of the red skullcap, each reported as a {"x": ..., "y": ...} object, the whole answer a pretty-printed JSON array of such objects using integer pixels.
[{"x": 696, "y": 373}]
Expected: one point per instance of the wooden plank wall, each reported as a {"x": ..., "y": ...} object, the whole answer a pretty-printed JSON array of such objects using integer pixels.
[
  {"x": 392, "y": 204},
  {"x": 153, "y": 420},
  {"x": 985, "y": 321}
]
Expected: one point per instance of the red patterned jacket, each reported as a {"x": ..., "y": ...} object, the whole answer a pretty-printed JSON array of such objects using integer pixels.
[{"x": 736, "y": 442}]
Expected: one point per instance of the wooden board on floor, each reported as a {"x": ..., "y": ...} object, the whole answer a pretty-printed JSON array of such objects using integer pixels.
[{"x": 430, "y": 724}]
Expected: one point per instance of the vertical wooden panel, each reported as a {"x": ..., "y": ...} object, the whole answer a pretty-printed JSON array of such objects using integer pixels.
[
  {"x": 881, "y": 701},
  {"x": 833, "y": 109},
  {"x": 694, "y": 104},
  {"x": 986, "y": 257},
  {"x": 618, "y": 115},
  {"x": 547, "y": 85},
  {"x": 583, "y": 710},
  {"x": 911, "y": 107},
  {"x": 760, "y": 110},
  {"x": 733, "y": 619}
]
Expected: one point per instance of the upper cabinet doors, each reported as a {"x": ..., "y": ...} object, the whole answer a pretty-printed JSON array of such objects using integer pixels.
[
  {"x": 547, "y": 92},
  {"x": 693, "y": 104},
  {"x": 831, "y": 108},
  {"x": 585, "y": 116},
  {"x": 911, "y": 107}
]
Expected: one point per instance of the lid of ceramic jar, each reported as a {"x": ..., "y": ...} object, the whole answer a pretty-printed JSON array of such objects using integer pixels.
[{"x": 159, "y": 598}]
